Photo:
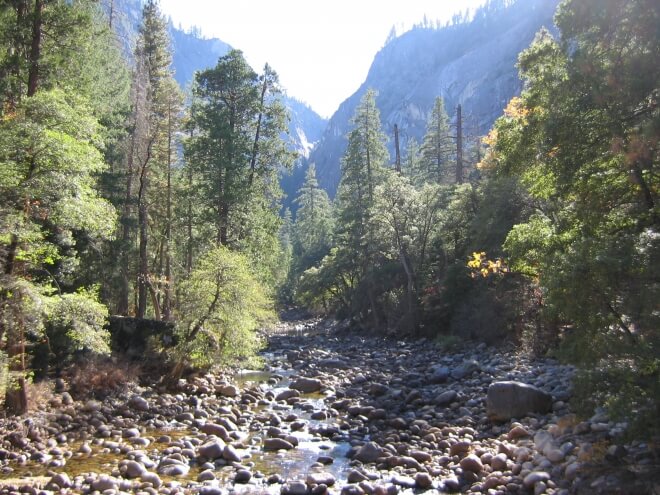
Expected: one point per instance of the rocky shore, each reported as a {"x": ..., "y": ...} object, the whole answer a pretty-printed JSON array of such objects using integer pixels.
[{"x": 334, "y": 412}]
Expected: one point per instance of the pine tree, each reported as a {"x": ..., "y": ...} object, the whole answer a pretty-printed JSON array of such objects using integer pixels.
[
  {"x": 156, "y": 105},
  {"x": 362, "y": 170},
  {"x": 437, "y": 145},
  {"x": 235, "y": 151},
  {"x": 314, "y": 223}
]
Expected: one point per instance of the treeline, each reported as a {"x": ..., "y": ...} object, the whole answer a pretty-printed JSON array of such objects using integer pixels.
[
  {"x": 551, "y": 242},
  {"x": 120, "y": 195}
]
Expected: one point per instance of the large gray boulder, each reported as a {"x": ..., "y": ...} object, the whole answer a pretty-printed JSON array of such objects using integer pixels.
[{"x": 511, "y": 399}]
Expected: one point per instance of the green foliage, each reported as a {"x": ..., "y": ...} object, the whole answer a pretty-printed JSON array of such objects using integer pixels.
[
  {"x": 221, "y": 305},
  {"x": 583, "y": 140},
  {"x": 312, "y": 233},
  {"x": 232, "y": 158},
  {"x": 330, "y": 286},
  {"x": 437, "y": 147},
  {"x": 49, "y": 159},
  {"x": 363, "y": 169},
  {"x": 76, "y": 323}
]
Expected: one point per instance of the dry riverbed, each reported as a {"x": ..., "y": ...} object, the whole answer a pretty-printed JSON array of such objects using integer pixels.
[{"x": 334, "y": 412}]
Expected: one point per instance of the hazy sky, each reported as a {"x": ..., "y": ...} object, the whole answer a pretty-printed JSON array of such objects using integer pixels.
[{"x": 321, "y": 50}]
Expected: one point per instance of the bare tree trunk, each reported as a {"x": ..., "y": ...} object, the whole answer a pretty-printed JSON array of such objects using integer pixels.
[
  {"x": 143, "y": 219},
  {"x": 143, "y": 268},
  {"x": 189, "y": 225},
  {"x": 16, "y": 401},
  {"x": 124, "y": 290},
  {"x": 459, "y": 146},
  {"x": 397, "y": 162},
  {"x": 167, "y": 297}
]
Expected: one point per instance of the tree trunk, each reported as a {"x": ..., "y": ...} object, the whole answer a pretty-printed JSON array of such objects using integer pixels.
[
  {"x": 255, "y": 146},
  {"x": 124, "y": 290},
  {"x": 459, "y": 145},
  {"x": 167, "y": 297},
  {"x": 143, "y": 268},
  {"x": 35, "y": 48},
  {"x": 143, "y": 219},
  {"x": 397, "y": 150},
  {"x": 16, "y": 401},
  {"x": 189, "y": 225}
]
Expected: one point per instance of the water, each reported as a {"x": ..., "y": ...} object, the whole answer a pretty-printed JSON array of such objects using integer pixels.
[{"x": 294, "y": 464}]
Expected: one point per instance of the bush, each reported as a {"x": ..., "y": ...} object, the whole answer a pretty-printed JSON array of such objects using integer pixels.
[
  {"x": 221, "y": 305},
  {"x": 75, "y": 324}
]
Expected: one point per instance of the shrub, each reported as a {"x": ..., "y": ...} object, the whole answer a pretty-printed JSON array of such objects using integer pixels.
[
  {"x": 75, "y": 324},
  {"x": 221, "y": 305}
]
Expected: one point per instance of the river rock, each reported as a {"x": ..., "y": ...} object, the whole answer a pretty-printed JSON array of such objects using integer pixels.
[
  {"x": 206, "y": 475},
  {"x": 211, "y": 490},
  {"x": 227, "y": 423},
  {"x": 499, "y": 462},
  {"x": 535, "y": 477},
  {"x": 277, "y": 444},
  {"x": 287, "y": 394},
  {"x": 173, "y": 469},
  {"x": 509, "y": 399},
  {"x": 213, "y": 449},
  {"x": 104, "y": 482},
  {"x": 215, "y": 429},
  {"x": 231, "y": 454},
  {"x": 61, "y": 480},
  {"x": 404, "y": 461},
  {"x": 369, "y": 452},
  {"x": 332, "y": 363},
  {"x": 320, "y": 478},
  {"x": 517, "y": 432},
  {"x": 138, "y": 403},
  {"x": 466, "y": 369},
  {"x": 306, "y": 385},
  {"x": 423, "y": 481},
  {"x": 377, "y": 389},
  {"x": 133, "y": 469},
  {"x": 460, "y": 447},
  {"x": 294, "y": 488},
  {"x": 439, "y": 374},
  {"x": 472, "y": 463},
  {"x": 404, "y": 481},
  {"x": 446, "y": 397},
  {"x": 130, "y": 433},
  {"x": 355, "y": 476},
  {"x": 242, "y": 476},
  {"x": 229, "y": 390}
]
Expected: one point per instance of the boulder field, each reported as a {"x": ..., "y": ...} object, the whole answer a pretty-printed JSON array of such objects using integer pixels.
[{"x": 336, "y": 412}]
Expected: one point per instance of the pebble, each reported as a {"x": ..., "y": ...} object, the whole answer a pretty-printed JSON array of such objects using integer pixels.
[{"x": 414, "y": 420}]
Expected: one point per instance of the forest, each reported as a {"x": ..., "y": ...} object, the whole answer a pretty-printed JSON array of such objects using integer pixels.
[{"x": 124, "y": 196}]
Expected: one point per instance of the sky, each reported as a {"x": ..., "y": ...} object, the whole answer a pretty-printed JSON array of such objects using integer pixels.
[{"x": 321, "y": 50}]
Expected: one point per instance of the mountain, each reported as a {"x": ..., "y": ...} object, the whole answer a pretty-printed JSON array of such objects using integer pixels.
[
  {"x": 471, "y": 63},
  {"x": 192, "y": 52}
]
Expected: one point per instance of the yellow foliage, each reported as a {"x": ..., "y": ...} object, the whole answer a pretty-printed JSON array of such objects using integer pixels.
[
  {"x": 491, "y": 138},
  {"x": 516, "y": 109},
  {"x": 481, "y": 265}
]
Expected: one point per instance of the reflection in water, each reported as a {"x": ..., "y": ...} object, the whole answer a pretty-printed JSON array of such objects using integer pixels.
[{"x": 296, "y": 464}]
